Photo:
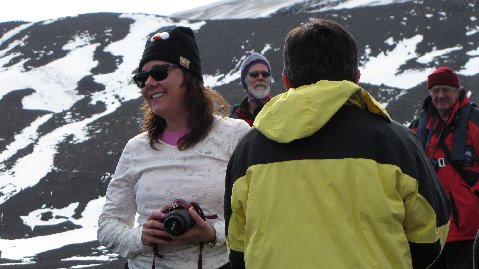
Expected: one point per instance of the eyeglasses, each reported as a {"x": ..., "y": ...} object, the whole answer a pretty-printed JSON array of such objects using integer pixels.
[
  {"x": 445, "y": 90},
  {"x": 158, "y": 72},
  {"x": 255, "y": 74}
]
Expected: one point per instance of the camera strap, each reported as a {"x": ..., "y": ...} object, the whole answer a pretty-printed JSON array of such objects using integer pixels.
[
  {"x": 200, "y": 256},
  {"x": 155, "y": 254}
]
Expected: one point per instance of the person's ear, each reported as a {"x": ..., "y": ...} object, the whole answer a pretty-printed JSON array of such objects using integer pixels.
[
  {"x": 286, "y": 82},
  {"x": 358, "y": 76}
]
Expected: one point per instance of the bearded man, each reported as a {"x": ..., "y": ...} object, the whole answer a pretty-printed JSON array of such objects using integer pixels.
[{"x": 256, "y": 81}]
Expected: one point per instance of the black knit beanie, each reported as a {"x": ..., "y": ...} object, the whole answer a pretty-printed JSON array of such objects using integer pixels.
[{"x": 177, "y": 45}]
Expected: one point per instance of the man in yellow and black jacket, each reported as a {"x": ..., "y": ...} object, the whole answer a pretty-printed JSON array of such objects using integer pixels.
[{"x": 326, "y": 179}]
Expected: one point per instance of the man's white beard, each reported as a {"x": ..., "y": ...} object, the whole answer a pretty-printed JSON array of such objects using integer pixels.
[{"x": 259, "y": 92}]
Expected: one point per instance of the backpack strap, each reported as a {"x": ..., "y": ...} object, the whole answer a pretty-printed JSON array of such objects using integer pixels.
[
  {"x": 421, "y": 128},
  {"x": 422, "y": 131},
  {"x": 460, "y": 135}
]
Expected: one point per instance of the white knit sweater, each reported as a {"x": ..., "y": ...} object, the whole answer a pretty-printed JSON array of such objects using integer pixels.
[{"x": 145, "y": 180}]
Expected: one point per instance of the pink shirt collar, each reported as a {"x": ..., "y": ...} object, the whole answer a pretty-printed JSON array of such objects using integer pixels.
[{"x": 172, "y": 138}]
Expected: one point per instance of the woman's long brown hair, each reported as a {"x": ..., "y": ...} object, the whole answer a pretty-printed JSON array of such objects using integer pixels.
[{"x": 202, "y": 103}]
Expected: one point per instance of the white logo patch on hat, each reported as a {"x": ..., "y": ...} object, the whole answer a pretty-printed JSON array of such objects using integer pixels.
[
  {"x": 159, "y": 36},
  {"x": 184, "y": 62}
]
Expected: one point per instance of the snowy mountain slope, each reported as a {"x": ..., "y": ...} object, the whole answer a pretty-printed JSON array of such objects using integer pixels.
[
  {"x": 68, "y": 105},
  {"x": 234, "y": 9}
]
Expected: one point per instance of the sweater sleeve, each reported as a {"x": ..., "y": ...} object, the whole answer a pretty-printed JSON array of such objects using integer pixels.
[
  {"x": 241, "y": 129},
  {"x": 220, "y": 233},
  {"x": 116, "y": 229}
]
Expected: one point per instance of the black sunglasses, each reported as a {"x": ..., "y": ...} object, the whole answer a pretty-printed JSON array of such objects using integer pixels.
[
  {"x": 158, "y": 72},
  {"x": 255, "y": 74}
]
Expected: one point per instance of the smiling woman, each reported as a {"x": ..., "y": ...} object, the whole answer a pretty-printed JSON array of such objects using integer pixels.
[{"x": 181, "y": 156}]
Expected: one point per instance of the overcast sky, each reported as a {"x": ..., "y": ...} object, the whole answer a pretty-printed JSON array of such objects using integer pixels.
[{"x": 35, "y": 10}]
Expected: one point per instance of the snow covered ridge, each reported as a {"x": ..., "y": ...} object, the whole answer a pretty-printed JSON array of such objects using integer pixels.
[
  {"x": 68, "y": 105},
  {"x": 234, "y": 9}
]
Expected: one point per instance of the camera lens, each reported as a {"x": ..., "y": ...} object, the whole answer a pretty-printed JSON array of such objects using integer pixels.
[{"x": 178, "y": 222}]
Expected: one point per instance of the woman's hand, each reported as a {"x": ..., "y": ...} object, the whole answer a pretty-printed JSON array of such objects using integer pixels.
[
  {"x": 153, "y": 231},
  {"x": 200, "y": 232}
]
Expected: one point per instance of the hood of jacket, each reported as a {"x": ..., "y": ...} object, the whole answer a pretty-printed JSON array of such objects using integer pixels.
[{"x": 302, "y": 111}]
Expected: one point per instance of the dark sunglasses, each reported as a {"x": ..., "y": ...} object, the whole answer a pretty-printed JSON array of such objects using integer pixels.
[
  {"x": 255, "y": 74},
  {"x": 158, "y": 72}
]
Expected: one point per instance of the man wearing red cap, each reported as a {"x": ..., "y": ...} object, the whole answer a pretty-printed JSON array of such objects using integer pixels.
[{"x": 449, "y": 132}]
